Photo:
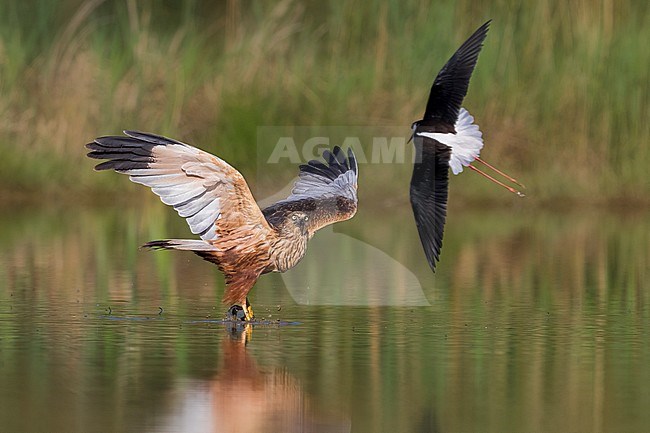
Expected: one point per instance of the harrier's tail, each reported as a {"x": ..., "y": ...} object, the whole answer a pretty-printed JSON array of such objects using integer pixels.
[
  {"x": 201, "y": 248},
  {"x": 179, "y": 244}
]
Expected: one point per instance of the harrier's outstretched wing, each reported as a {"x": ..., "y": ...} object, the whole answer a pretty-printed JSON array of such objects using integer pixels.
[
  {"x": 210, "y": 194},
  {"x": 450, "y": 86},
  {"x": 429, "y": 189},
  {"x": 326, "y": 192}
]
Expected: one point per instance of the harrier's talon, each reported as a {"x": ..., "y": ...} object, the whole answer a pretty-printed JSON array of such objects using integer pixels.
[
  {"x": 236, "y": 313},
  {"x": 242, "y": 313}
]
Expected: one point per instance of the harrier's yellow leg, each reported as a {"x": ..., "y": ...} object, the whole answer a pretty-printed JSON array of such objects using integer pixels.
[{"x": 248, "y": 311}]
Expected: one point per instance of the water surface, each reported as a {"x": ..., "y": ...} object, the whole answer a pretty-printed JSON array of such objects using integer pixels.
[{"x": 534, "y": 322}]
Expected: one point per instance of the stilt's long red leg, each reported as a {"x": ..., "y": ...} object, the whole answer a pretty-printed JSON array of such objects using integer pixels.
[
  {"x": 510, "y": 178},
  {"x": 512, "y": 190}
]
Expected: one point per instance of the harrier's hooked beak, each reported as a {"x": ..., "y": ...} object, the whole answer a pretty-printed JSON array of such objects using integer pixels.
[{"x": 304, "y": 225}]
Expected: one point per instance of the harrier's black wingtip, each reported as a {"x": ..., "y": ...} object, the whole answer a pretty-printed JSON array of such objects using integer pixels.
[
  {"x": 352, "y": 159},
  {"x": 335, "y": 163},
  {"x": 340, "y": 157},
  {"x": 158, "y": 245},
  {"x": 154, "y": 139}
]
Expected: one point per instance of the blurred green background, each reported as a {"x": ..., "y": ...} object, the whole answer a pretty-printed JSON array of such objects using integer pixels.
[
  {"x": 561, "y": 89},
  {"x": 539, "y": 320}
]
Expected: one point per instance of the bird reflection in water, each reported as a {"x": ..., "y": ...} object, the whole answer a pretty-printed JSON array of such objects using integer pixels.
[{"x": 244, "y": 398}]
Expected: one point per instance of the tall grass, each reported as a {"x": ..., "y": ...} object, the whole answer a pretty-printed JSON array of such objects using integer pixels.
[{"x": 561, "y": 89}]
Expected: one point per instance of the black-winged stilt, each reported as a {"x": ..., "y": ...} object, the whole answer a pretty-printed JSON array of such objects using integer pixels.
[{"x": 445, "y": 138}]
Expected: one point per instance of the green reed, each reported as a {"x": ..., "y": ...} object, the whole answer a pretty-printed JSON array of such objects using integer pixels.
[{"x": 561, "y": 89}]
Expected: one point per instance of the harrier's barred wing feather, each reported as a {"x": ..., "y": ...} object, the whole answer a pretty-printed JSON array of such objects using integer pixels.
[
  {"x": 205, "y": 190},
  {"x": 336, "y": 178},
  {"x": 326, "y": 192},
  {"x": 429, "y": 190},
  {"x": 451, "y": 84}
]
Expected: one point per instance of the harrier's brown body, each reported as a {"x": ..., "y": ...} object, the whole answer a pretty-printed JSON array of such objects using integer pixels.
[{"x": 236, "y": 235}]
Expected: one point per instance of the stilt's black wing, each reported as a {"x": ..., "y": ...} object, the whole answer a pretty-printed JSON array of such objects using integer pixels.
[
  {"x": 450, "y": 86},
  {"x": 429, "y": 188}
]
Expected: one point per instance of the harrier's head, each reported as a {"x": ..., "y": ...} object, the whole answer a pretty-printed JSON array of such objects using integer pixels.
[{"x": 298, "y": 221}]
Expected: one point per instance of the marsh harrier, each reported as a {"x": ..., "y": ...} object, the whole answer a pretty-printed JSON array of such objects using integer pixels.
[{"x": 243, "y": 240}]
